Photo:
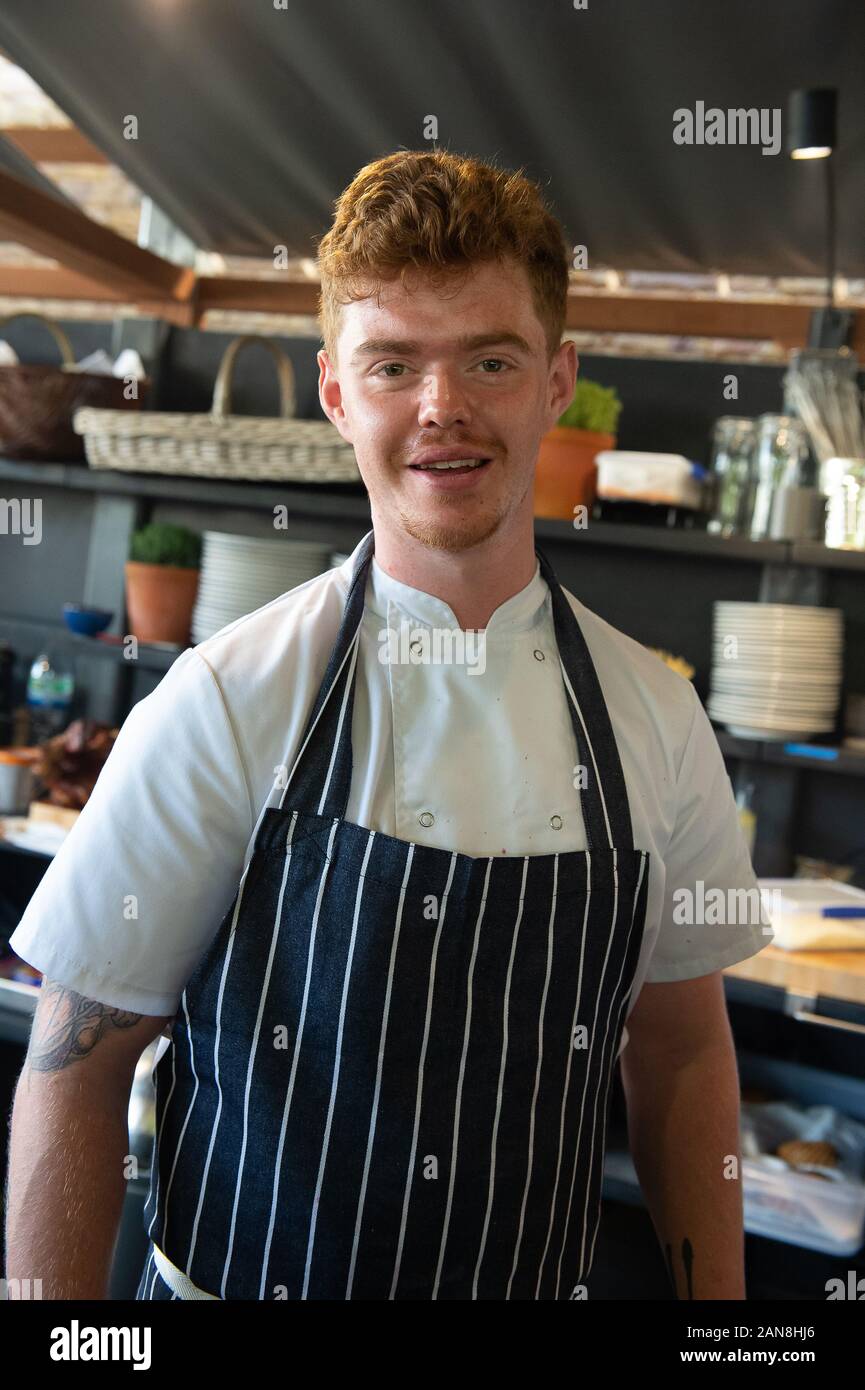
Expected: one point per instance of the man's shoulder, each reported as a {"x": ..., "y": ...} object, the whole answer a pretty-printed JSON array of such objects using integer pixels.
[{"x": 289, "y": 630}]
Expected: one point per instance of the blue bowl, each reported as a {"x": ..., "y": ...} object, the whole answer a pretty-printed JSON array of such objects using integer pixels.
[{"x": 86, "y": 621}]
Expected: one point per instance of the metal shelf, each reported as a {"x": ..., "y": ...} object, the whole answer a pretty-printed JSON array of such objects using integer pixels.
[
  {"x": 150, "y": 658},
  {"x": 668, "y": 539},
  {"x": 349, "y": 502},
  {"x": 815, "y": 757}
]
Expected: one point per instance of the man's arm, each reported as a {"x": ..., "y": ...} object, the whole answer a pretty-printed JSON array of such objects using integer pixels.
[
  {"x": 68, "y": 1142},
  {"x": 682, "y": 1090}
]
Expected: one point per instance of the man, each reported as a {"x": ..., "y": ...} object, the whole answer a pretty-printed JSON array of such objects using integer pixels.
[{"x": 399, "y": 969}]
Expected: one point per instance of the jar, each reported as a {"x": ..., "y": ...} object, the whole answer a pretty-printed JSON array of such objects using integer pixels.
[
  {"x": 842, "y": 481},
  {"x": 781, "y": 460},
  {"x": 730, "y": 474}
]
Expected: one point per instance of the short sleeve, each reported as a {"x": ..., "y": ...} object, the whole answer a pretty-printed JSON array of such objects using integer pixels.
[
  {"x": 139, "y": 886},
  {"x": 712, "y": 914}
]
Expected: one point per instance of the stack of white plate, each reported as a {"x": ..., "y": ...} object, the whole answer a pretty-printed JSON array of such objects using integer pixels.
[
  {"x": 241, "y": 573},
  {"x": 776, "y": 669}
]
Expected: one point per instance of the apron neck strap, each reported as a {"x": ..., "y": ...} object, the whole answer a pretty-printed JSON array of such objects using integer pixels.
[{"x": 320, "y": 781}]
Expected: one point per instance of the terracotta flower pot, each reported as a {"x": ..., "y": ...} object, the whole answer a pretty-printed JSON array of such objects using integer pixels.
[
  {"x": 566, "y": 474},
  {"x": 159, "y": 601}
]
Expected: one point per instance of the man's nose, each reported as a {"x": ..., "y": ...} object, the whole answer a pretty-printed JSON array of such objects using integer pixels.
[{"x": 444, "y": 399}]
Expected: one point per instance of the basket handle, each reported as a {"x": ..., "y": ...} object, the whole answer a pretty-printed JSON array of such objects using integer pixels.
[
  {"x": 54, "y": 329},
  {"x": 222, "y": 388}
]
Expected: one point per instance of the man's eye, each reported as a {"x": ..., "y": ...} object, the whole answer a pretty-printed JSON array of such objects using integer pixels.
[
  {"x": 497, "y": 360},
  {"x": 386, "y": 365}
]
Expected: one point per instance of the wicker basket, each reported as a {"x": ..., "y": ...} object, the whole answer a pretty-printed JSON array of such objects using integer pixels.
[
  {"x": 222, "y": 445},
  {"x": 37, "y": 403}
]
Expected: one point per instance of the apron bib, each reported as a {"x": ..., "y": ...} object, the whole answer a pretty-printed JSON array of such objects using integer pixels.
[{"x": 389, "y": 1075}]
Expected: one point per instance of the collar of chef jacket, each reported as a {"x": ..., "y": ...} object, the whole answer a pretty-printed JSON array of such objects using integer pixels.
[{"x": 389, "y": 598}]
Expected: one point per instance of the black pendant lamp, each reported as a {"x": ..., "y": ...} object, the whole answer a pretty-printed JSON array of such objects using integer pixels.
[{"x": 812, "y": 134}]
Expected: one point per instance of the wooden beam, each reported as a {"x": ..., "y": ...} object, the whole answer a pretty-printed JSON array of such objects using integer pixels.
[
  {"x": 257, "y": 296},
  {"x": 786, "y": 324},
  {"x": 51, "y": 228},
  {"x": 54, "y": 144},
  {"x": 702, "y": 318},
  {"x": 45, "y": 282},
  {"x": 36, "y": 282}
]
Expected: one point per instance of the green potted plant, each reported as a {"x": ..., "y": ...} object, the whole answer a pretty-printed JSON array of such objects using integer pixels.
[
  {"x": 162, "y": 582},
  {"x": 566, "y": 473}
]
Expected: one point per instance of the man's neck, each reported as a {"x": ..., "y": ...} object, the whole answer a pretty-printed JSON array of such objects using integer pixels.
[{"x": 473, "y": 582}]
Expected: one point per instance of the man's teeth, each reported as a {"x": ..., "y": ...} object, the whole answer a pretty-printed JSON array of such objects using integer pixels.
[{"x": 454, "y": 463}]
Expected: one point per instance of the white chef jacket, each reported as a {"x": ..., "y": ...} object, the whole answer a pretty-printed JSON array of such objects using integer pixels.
[{"x": 479, "y": 763}]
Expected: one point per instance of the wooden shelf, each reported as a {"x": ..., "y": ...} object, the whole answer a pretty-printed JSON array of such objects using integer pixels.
[{"x": 835, "y": 980}]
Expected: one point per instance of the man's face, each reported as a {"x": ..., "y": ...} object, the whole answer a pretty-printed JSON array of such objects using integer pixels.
[{"x": 461, "y": 371}]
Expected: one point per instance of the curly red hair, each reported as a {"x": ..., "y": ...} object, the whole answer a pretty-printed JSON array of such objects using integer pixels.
[{"x": 439, "y": 213}]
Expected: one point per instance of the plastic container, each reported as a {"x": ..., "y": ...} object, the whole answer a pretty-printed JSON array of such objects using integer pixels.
[
  {"x": 814, "y": 914},
  {"x": 636, "y": 476},
  {"x": 803, "y": 1210},
  {"x": 16, "y": 781},
  {"x": 808, "y": 1103}
]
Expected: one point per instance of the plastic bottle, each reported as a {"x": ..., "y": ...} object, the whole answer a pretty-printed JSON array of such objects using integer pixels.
[{"x": 49, "y": 699}]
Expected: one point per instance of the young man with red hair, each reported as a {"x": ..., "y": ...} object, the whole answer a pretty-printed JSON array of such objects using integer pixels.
[{"x": 399, "y": 974}]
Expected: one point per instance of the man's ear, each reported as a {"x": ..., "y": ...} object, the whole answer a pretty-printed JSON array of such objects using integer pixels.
[
  {"x": 330, "y": 395},
  {"x": 562, "y": 380}
]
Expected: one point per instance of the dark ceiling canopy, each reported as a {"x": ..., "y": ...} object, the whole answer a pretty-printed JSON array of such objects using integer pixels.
[{"x": 251, "y": 118}]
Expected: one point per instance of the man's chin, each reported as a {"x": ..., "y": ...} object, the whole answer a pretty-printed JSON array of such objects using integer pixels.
[{"x": 461, "y": 533}]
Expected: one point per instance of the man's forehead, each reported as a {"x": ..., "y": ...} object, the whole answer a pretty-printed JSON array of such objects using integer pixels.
[{"x": 424, "y": 315}]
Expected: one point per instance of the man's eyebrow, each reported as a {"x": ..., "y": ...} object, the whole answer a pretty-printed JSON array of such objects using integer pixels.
[{"x": 467, "y": 343}]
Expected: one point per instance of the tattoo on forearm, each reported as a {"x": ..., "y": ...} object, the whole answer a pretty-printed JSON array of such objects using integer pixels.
[
  {"x": 68, "y": 1026},
  {"x": 687, "y": 1261}
]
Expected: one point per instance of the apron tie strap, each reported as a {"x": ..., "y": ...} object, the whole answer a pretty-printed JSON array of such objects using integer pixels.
[{"x": 177, "y": 1281}]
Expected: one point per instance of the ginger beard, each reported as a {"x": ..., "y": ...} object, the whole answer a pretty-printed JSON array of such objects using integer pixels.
[
  {"x": 457, "y": 521},
  {"x": 453, "y": 536}
]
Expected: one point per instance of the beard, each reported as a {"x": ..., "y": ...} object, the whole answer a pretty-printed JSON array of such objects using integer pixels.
[
  {"x": 460, "y": 534},
  {"x": 449, "y": 524}
]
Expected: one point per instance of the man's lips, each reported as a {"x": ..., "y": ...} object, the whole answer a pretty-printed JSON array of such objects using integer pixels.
[
  {"x": 452, "y": 479},
  {"x": 447, "y": 455}
]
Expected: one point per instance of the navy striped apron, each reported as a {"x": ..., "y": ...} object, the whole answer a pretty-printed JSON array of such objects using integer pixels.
[{"x": 389, "y": 1075}]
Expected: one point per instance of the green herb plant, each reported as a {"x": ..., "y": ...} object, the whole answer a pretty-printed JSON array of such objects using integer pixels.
[
  {"x": 594, "y": 407},
  {"x": 161, "y": 543}
]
